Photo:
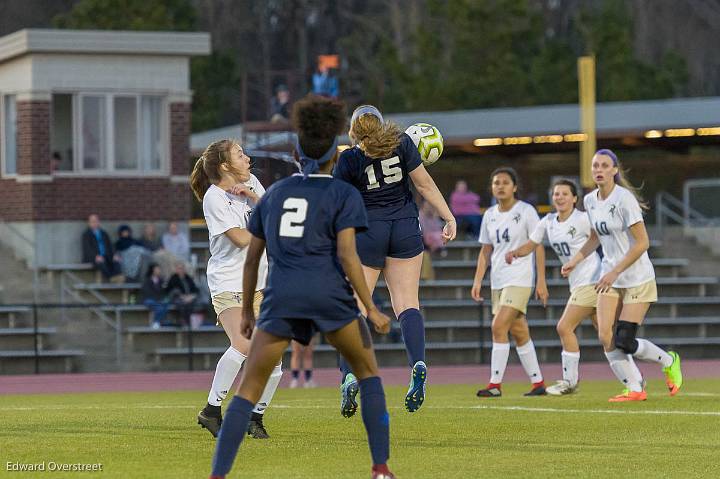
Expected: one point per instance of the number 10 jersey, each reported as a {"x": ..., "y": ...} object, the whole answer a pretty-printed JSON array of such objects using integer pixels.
[{"x": 612, "y": 218}]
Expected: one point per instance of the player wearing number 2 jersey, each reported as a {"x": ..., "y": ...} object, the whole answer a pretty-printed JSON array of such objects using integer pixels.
[
  {"x": 307, "y": 223},
  {"x": 567, "y": 229},
  {"x": 507, "y": 226},
  {"x": 627, "y": 282},
  {"x": 381, "y": 166}
]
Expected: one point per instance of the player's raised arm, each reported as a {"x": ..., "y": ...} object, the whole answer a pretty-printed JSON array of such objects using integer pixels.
[
  {"x": 427, "y": 188},
  {"x": 590, "y": 245},
  {"x": 521, "y": 252}
]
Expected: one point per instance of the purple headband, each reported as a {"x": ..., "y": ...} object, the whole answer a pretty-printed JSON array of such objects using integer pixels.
[{"x": 614, "y": 159}]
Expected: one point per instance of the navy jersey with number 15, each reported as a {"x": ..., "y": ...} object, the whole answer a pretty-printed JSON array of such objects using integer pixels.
[
  {"x": 299, "y": 220},
  {"x": 384, "y": 183}
]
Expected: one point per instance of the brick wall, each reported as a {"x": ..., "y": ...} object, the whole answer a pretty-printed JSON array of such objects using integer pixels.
[
  {"x": 33, "y": 137},
  {"x": 75, "y": 198},
  {"x": 15, "y": 201},
  {"x": 112, "y": 199},
  {"x": 179, "y": 138}
]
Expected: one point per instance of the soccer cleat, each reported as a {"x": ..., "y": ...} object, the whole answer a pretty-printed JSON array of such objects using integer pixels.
[
  {"x": 562, "y": 388},
  {"x": 673, "y": 374},
  {"x": 381, "y": 472},
  {"x": 492, "y": 391},
  {"x": 310, "y": 384},
  {"x": 210, "y": 422},
  {"x": 349, "y": 390},
  {"x": 416, "y": 390},
  {"x": 538, "y": 389},
  {"x": 256, "y": 428},
  {"x": 628, "y": 395},
  {"x": 294, "y": 383}
]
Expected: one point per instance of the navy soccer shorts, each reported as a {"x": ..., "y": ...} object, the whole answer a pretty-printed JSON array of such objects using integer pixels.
[
  {"x": 399, "y": 238},
  {"x": 300, "y": 329}
]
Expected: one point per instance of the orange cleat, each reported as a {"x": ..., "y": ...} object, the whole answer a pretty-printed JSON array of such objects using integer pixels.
[{"x": 629, "y": 396}]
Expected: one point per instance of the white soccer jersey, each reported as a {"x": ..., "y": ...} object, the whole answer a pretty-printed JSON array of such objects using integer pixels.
[
  {"x": 224, "y": 211},
  {"x": 507, "y": 231},
  {"x": 566, "y": 238},
  {"x": 611, "y": 219}
]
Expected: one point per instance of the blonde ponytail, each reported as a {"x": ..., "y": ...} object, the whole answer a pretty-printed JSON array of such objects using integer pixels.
[
  {"x": 625, "y": 183},
  {"x": 375, "y": 138}
]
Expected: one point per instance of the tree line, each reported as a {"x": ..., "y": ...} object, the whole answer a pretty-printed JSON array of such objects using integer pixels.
[{"x": 402, "y": 55}]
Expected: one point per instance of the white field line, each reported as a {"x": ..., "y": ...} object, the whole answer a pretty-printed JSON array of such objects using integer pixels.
[{"x": 675, "y": 412}]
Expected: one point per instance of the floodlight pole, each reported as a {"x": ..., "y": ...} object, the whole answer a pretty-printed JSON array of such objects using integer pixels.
[{"x": 586, "y": 81}]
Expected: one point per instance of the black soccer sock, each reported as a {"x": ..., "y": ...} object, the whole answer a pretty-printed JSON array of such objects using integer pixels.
[{"x": 376, "y": 418}]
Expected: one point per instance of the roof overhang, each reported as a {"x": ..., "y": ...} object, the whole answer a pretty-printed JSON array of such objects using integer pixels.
[{"x": 29, "y": 41}]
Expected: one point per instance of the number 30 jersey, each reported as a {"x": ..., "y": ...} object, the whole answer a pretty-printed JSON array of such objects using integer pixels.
[
  {"x": 384, "y": 183},
  {"x": 611, "y": 219},
  {"x": 506, "y": 231},
  {"x": 299, "y": 219},
  {"x": 567, "y": 238}
]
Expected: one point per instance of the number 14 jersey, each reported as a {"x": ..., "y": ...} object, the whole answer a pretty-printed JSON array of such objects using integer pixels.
[{"x": 506, "y": 231}]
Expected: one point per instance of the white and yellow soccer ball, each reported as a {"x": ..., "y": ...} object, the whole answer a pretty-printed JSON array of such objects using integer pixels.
[{"x": 428, "y": 140}]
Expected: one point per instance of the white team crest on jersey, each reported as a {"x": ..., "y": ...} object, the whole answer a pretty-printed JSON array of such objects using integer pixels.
[
  {"x": 612, "y": 210},
  {"x": 572, "y": 231},
  {"x": 516, "y": 218}
]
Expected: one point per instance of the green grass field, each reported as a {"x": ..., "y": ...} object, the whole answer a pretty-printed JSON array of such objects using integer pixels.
[{"x": 454, "y": 435}]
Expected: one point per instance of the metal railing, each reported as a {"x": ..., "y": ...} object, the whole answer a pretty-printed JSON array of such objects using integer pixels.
[
  {"x": 669, "y": 209},
  {"x": 701, "y": 202},
  {"x": 35, "y": 310}
]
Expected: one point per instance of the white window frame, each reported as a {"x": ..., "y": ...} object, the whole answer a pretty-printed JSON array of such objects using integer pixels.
[
  {"x": 3, "y": 119},
  {"x": 109, "y": 169}
]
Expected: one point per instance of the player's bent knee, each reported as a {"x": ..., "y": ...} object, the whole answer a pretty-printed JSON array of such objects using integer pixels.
[
  {"x": 564, "y": 329},
  {"x": 605, "y": 338},
  {"x": 625, "y": 337}
]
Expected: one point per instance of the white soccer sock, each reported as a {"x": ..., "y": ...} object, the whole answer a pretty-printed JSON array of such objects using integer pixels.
[
  {"x": 625, "y": 370},
  {"x": 529, "y": 361},
  {"x": 225, "y": 373},
  {"x": 270, "y": 388},
  {"x": 648, "y": 351},
  {"x": 635, "y": 373},
  {"x": 498, "y": 361},
  {"x": 570, "y": 362}
]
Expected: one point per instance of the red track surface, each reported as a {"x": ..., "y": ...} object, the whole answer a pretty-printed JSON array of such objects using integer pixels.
[{"x": 175, "y": 381}]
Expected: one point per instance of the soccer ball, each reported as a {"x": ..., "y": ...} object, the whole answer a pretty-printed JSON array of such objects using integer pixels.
[{"x": 428, "y": 140}]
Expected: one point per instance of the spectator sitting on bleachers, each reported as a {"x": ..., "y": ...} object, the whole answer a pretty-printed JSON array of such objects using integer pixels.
[
  {"x": 183, "y": 293},
  {"x": 134, "y": 257},
  {"x": 176, "y": 242},
  {"x": 150, "y": 240},
  {"x": 97, "y": 249},
  {"x": 465, "y": 205},
  {"x": 154, "y": 297}
]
